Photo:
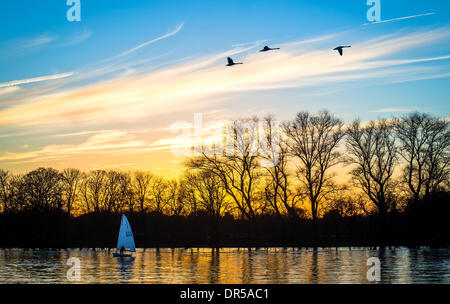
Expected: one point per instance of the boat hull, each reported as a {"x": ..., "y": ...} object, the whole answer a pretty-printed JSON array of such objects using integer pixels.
[{"x": 118, "y": 255}]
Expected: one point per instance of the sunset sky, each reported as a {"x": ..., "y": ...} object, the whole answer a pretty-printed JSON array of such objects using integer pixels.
[{"x": 105, "y": 91}]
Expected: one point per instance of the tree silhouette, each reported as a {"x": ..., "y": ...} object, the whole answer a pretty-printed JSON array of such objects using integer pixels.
[
  {"x": 176, "y": 198},
  {"x": 373, "y": 151},
  {"x": 238, "y": 168},
  {"x": 254, "y": 191},
  {"x": 4, "y": 189},
  {"x": 159, "y": 194},
  {"x": 70, "y": 179},
  {"x": 93, "y": 191},
  {"x": 279, "y": 191},
  {"x": 425, "y": 147},
  {"x": 142, "y": 183},
  {"x": 41, "y": 190},
  {"x": 313, "y": 141},
  {"x": 209, "y": 195}
]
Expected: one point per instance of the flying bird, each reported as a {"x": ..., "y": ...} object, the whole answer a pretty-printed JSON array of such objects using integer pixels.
[
  {"x": 339, "y": 49},
  {"x": 266, "y": 48},
  {"x": 231, "y": 62}
]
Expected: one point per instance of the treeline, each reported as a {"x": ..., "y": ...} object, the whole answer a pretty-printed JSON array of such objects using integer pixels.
[{"x": 262, "y": 180}]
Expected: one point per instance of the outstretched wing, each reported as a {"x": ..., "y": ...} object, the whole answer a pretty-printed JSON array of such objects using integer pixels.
[
  {"x": 230, "y": 61},
  {"x": 339, "y": 49}
]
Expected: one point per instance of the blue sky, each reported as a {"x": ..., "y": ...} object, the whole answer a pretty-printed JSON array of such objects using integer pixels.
[
  {"x": 116, "y": 25},
  {"x": 108, "y": 78}
]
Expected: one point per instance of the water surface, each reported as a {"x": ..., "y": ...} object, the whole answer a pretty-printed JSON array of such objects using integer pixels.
[{"x": 228, "y": 266}]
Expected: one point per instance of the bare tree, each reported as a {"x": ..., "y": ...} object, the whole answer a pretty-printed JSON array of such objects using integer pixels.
[
  {"x": 425, "y": 147},
  {"x": 142, "y": 184},
  {"x": 189, "y": 180},
  {"x": 115, "y": 190},
  {"x": 93, "y": 191},
  {"x": 41, "y": 189},
  {"x": 373, "y": 151},
  {"x": 15, "y": 197},
  {"x": 279, "y": 192},
  {"x": 127, "y": 192},
  {"x": 313, "y": 140},
  {"x": 209, "y": 194},
  {"x": 176, "y": 198},
  {"x": 238, "y": 168},
  {"x": 5, "y": 178},
  {"x": 70, "y": 183},
  {"x": 343, "y": 206},
  {"x": 158, "y": 194}
]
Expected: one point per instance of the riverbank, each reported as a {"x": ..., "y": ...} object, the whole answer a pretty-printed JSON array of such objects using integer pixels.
[
  {"x": 58, "y": 230},
  {"x": 252, "y": 246}
]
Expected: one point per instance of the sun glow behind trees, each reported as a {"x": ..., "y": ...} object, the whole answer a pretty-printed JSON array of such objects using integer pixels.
[{"x": 299, "y": 183}]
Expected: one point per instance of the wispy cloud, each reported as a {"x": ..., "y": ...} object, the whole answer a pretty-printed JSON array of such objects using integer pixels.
[
  {"x": 36, "y": 79},
  {"x": 312, "y": 40},
  {"x": 85, "y": 113},
  {"x": 131, "y": 131},
  {"x": 25, "y": 45},
  {"x": 104, "y": 142},
  {"x": 77, "y": 39},
  {"x": 122, "y": 142},
  {"x": 8, "y": 90},
  {"x": 189, "y": 84},
  {"x": 134, "y": 49},
  {"x": 38, "y": 41},
  {"x": 396, "y": 110},
  {"x": 115, "y": 166},
  {"x": 401, "y": 18}
]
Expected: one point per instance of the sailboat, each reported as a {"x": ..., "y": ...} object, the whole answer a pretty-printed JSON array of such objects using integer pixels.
[{"x": 125, "y": 240}]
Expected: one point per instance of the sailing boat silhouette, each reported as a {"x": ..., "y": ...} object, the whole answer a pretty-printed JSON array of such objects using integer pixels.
[{"x": 125, "y": 240}]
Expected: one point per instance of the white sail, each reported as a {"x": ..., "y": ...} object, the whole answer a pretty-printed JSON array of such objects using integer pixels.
[{"x": 125, "y": 238}]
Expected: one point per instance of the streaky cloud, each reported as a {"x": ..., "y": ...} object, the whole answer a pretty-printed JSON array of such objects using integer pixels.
[
  {"x": 77, "y": 39},
  {"x": 36, "y": 79},
  {"x": 39, "y": 41},
  {"x": 203, "y": 81},
  {"x": 106, "y": 141},
  {"x": 396, "y": 110},
  {"x": 9, "y": 90},
  {"x": 132, "y": 50},
  {"x": 401, "y": 18}
]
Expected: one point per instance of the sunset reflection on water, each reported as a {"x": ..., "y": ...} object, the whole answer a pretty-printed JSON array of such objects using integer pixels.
[{"x": 228, "y": 266}]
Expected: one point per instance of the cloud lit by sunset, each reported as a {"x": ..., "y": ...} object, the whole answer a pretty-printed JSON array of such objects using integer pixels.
[{"x": 124, "y": 104}]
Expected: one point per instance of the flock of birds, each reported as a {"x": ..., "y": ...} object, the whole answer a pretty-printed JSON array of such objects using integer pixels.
[{"x": 340, "y": 49}]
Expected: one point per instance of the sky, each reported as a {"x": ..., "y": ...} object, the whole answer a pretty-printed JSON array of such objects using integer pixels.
[{"x": 127, "y": 85}]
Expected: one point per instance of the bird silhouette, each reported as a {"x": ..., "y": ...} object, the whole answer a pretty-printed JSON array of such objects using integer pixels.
[
  {"x": 231, "y": 62},
  {"x": 339, "y": 49},
  {"x": 266, "y": 48}
]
